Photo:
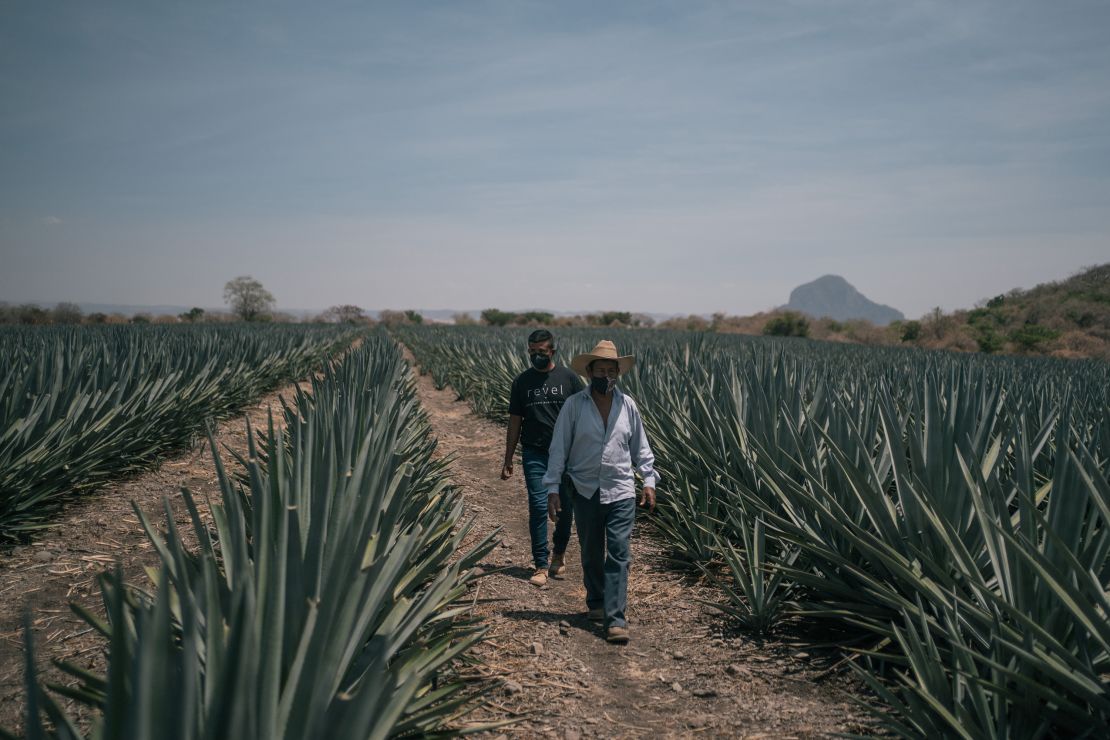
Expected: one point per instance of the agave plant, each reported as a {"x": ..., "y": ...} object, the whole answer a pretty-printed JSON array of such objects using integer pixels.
[
  {"x": 689, "y": 522},
  {"x": 326, "y": 604},
  {"x": 945, "y": 531},
  {"x": 81, "y": 406},
  {"x": 947, "y": 513},
  {"x": 757, "y": 589}
]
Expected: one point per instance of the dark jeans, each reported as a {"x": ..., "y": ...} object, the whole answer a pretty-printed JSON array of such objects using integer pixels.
[
  {"x": 603, "y": 533},
  {"x": 535, "y": 467}
]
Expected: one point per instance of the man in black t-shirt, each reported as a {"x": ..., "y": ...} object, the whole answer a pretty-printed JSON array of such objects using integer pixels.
[{"x": 534, "y": 402}]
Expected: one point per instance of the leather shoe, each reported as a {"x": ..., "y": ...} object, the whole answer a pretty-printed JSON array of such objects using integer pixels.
[{"x": 617, "y": 635}]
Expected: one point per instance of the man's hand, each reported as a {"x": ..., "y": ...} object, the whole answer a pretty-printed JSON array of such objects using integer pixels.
[
  {"x": 554, "y": 506},
  {"x": 647, "y": 495},
  {"x": 507, "y": 469}
]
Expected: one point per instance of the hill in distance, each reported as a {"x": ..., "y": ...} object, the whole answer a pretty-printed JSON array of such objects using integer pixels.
[
  {"x": 834, "y": 297},
  {"x": 1065, "y": 318}
]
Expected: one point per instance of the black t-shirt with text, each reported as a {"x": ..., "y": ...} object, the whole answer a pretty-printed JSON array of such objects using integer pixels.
[{"x": 537, "y": 397}]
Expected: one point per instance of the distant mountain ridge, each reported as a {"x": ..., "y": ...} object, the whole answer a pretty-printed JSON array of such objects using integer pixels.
[{"x": 834, "y": 297}]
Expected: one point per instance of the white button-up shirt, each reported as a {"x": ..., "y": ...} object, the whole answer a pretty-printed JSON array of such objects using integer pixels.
[{"x": 597, "y": 456}]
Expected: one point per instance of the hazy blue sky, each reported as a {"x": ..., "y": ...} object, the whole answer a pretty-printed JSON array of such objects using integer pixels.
[{"x": 654, "y": 156}]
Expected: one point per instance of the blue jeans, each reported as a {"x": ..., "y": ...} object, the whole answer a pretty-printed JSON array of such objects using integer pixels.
[
  {"x": 603, "y": 533},
  {"x": 535, "y": 467}
]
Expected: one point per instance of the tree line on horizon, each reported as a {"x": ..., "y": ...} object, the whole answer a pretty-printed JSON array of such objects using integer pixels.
[{"x": 1069, "y": 318}]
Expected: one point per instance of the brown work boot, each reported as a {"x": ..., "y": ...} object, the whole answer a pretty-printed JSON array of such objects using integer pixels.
[
  {"x": 617, "y": 635},
  {"x": 558, "y": 567},
  {"x": 539, "y": 578}
]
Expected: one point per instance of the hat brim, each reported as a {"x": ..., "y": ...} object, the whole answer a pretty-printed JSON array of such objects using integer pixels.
[{"x": 580, "y": 362}]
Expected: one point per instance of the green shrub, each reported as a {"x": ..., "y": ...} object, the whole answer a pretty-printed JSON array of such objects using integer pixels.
[
  {"x": 496, "y": 317},
  {"x": 1031, "y": 336},
  {"x": 608, "y": 318},
  {"x": 989, "y": 340},
  {"x": 1083, "y": 320},
  {"x": 911, "y": 331},
  {"x": 787, "y": 324}
]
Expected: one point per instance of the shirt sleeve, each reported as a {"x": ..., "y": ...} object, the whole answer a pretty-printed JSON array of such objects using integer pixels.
[
  {"x": 516, "y": 408},
  {"x": 576, "y": 383},
  {"x": 561, "y": 439},
  {"x": 640, "y": 451}
]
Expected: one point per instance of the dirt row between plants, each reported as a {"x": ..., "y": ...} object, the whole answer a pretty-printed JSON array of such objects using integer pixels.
[
  {"x": 95, "y": 532},
  {"x": 685, "y": 673}
]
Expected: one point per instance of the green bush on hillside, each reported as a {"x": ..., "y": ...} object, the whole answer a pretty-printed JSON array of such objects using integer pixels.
[
  {"x": 788, "y": 324},
  {"x": 910, "y": 331},
  {"x": 989, "y": 340},
  {"x": 1031, "y": 336}
]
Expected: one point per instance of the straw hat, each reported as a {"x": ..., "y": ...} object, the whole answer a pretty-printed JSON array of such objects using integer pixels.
[{"x": 605, "y": 350}]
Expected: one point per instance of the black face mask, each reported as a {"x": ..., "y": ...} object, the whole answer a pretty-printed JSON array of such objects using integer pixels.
[
  {"x": 602, "y": 385},
  {"x": 540, "y": 362}
]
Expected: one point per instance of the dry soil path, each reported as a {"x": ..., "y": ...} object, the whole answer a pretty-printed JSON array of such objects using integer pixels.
[{"x": 684, "y": 674}]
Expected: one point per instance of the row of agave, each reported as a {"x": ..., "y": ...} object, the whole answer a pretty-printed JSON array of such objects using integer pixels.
[
  {"x": 323, "y": 598},
  {"x": 79, "y": 406},
  {"x": 947, "y": 517}
]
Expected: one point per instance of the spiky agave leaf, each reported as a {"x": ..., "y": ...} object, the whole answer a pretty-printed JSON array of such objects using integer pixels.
[{"x": 329, "y": 599}]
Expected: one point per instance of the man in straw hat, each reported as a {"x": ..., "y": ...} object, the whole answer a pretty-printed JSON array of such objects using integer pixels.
[{"x": 599, "y": 440}]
